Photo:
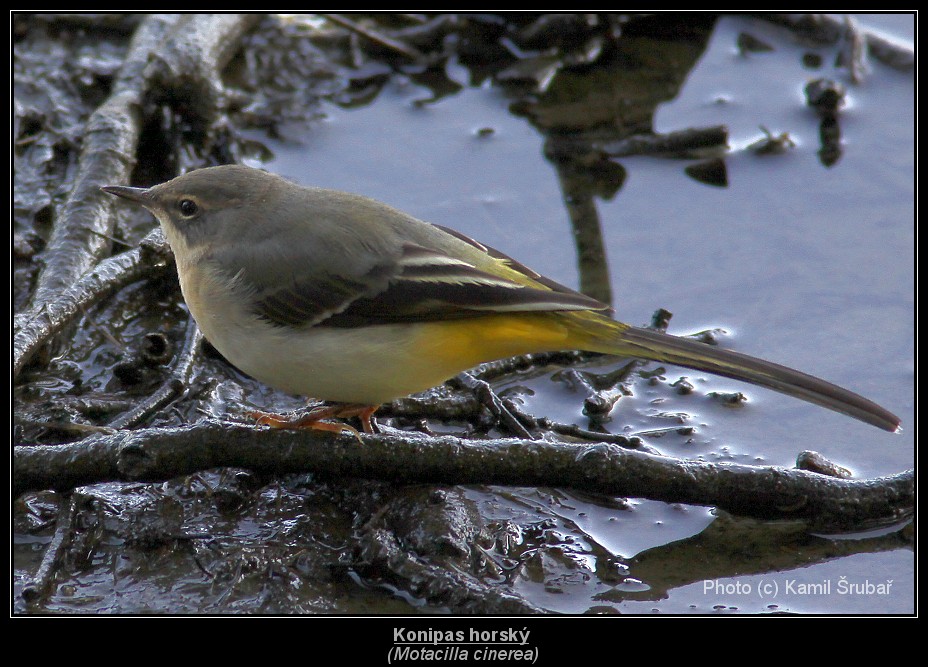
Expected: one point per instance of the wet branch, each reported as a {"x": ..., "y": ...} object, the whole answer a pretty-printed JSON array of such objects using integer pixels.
[
  {"x": 41, "y": 583},
  {"x": 191, "y": 51},
  {"x": 175, "y": 386},
  {"x": 687, "y": 143},
  {"x": 436, "y": 563},
  {"x": 85, "y": 223},
  {"x": 38, "y": 325},
  {"x": 831, "y": 30},
  {"x": 188, "y": 67},
  {"x": 762, "y": 492}
]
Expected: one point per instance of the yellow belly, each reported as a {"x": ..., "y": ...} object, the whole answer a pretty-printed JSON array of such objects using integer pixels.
[
  {"x": 370, "y": 365},
  {"x": 377, "y": 364}
]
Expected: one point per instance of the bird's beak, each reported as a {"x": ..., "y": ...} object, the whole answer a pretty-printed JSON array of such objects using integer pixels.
[{"x": 138, "y": 195}]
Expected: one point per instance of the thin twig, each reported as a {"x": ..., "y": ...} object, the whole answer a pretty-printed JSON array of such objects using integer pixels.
[
  {"x": 488, "y": 399},
  {"x": 37, "y": 589},
  {"x": 377, "y": 37},
  {"x": 175, "y": 386}
]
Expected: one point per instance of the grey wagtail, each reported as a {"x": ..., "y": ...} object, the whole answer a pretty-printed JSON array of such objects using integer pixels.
[{"x": 339, "y": 297}]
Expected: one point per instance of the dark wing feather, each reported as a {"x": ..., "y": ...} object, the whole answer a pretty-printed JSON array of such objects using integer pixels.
[
  {"x": 429, "y": 285},
  {"x": 421, "y": 284},
  {"x": 524, "y": 270},
  {"x": 309, "y": 302}
]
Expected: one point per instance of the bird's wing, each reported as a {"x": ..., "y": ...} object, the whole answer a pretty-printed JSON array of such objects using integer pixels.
[{"x": 455, "y": 277}]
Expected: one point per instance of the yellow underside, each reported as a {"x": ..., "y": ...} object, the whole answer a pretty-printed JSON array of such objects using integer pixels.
[{"x": 456, "y": 345}]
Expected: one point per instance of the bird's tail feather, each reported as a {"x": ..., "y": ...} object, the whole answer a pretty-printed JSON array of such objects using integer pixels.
[{"x": 656, "y": 346}]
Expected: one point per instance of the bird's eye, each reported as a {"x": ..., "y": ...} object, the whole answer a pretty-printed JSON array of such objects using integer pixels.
[{"x": 188, "y": 208}]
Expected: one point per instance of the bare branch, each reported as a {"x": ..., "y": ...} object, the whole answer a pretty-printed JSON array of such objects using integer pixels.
[
  {"x": 763, "y": 492},
  {"x": 37, "y": 326}
]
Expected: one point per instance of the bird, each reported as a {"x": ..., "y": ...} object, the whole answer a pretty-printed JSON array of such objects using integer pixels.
[{"x": 340, "y": 297}]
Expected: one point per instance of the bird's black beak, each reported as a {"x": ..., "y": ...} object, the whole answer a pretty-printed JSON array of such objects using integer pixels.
[{"x": 137, "y": 195}]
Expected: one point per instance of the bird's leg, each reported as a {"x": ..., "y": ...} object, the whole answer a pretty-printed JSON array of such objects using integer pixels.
[{"x": 314, "y": 418}]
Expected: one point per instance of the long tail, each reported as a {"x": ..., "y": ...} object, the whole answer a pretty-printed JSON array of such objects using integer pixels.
[{"x": 647, "y": 344}]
